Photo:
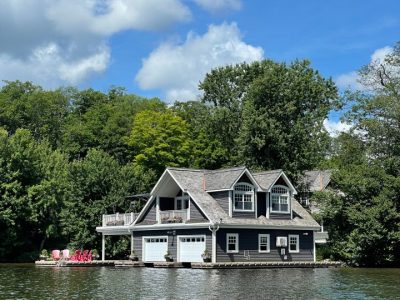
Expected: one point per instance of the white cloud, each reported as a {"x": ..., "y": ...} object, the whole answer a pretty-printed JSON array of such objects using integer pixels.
[
  {"x": 334, "y": 128},
  {"x": 380, "y": 54},
  {"x": 351, "y": 79},
  {"x": 48, "y": 67},
  {"x": 53, "y": 42},
  {"x": 178, "y": 68},
  {"x": 215, "y": 6}
]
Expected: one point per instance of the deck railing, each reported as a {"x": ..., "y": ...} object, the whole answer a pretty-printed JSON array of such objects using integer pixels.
[
  {"x": 119, "y": 219},
  {"x": 173, "y": 216}
]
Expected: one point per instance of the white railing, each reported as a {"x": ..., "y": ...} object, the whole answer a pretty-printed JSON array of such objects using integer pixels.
[
  {"x": 119, "y": 219},
  {"x": 173, "y": 216}
]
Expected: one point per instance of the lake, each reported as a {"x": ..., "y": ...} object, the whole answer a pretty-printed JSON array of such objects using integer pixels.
[{"x": 30, "y": 282}]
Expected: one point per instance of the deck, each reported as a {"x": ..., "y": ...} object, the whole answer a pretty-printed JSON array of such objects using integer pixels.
[{"x": 225, "y": 265}]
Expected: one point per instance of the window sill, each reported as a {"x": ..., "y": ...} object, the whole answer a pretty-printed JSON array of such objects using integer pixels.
[
  {"x": 241, "y": 210},
  {"x": 232, "y": 251},
  {"x": 298, "y": 251},
  {"x": 280, "y": 212},
  {"x": 260, "y": 251}
]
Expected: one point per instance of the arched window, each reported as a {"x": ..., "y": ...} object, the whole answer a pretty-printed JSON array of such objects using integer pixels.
[
  {"x": 243, "y": 197},
  {"x": 280, "y": 198}
]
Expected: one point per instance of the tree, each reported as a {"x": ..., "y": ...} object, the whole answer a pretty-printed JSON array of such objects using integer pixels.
[
  {"x": 100, "y": 185},
  {"x": 363, "y": 215},
  {"x": 24, "y": 105},
  {"x": 271, "y": 114},
  {"x": 33, "y": 189},
  {"x": 160, "y": 139}
]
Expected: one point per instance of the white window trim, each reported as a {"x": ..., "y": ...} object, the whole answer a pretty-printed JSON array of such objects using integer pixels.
[
  {"x": 242, "y": 193},
  {"x": 297, "y": 244},
  {"x": 288, "y": 199},
  {"x": 268, "y": 243},
  {"x": 236, "y": 235},
  {"x": 181, "y": 198}
]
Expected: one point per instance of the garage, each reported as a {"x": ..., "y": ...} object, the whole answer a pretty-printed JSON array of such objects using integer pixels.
[
  {"x": 155, "y": 248},
  {"x": 190, "y": 248}
]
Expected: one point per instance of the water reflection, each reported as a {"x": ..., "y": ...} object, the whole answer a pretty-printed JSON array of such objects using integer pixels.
[{"x": 30, "y": 282}]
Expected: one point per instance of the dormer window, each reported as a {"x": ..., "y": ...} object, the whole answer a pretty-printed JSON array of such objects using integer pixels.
[
  {"x": 182, "y": 202},
  {"x": 243, "y": 197},
  {"x": 280, "y": 198}
]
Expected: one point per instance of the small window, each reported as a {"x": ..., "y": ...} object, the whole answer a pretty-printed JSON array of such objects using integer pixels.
[
  {"x": 263, "y": 243},
  {"x": 280, "y": 199},
  {"x": 243, "y": 197},
  {"x": 232, "y": 243},
  {"x": 293, "y": 244}
]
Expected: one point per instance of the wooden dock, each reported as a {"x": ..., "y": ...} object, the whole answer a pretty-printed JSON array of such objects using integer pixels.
[{"x": 224, "y": 265}]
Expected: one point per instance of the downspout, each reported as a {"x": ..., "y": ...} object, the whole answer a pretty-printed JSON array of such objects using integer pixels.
[{"x": 214, "y": 228}]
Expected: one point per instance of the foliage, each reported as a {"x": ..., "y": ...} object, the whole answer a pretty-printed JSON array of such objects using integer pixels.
[
  {"x": 159, "y": 139},
  {"x": 33, "y": 189},
  {"x": 271, "y": 115},
  {"x": 362, "y": 214}
]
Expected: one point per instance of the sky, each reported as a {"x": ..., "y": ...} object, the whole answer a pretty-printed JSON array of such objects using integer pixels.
[{"x": 163, "y": 48}]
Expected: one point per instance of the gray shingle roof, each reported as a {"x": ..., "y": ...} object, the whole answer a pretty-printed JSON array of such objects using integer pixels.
[
  {"x": 266, "y": 179},
  {"x": 316, "y": 180},
  {"x": 222, "y": 179},
  {"x": 193, "y": 182}
]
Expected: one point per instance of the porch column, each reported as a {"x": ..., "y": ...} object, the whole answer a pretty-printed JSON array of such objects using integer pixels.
[
  {"x": 131, "y": 241},
  {"x": 103, "y": 247},
  {"x": 314, "y": 248},
  {"x": 214, "y": 246}
]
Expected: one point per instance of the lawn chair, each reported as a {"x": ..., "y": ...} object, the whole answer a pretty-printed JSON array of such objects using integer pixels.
[
  {"x": 77, "y": 256},
  {"x": 55, "y": 254},
  {"x": 85, "y": 255},
  {"x": 65, "y": 254}
]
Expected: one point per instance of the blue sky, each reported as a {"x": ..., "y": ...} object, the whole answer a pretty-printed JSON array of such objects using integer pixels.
[{"x": 163, "y": 48}]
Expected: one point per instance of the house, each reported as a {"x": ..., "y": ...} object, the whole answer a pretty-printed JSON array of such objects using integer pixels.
[
  {"x": 311, "y": 182},
  {"x": 235, "y": 214}
]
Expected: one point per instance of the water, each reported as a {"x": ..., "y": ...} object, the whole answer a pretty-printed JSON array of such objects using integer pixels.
[{"x": 30, "y": 282}]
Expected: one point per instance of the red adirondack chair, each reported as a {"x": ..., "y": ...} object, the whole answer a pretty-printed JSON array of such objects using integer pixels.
[
  {"x": 85, "y": 255},
  {"x": 77, "y": 256}
]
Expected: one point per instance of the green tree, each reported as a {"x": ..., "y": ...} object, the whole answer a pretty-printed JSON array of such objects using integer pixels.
[
  {"x": 100, "y": 185},
  {"x": 33, "y": 188},
  {"x": 270, "y": 115},
  {"x": 24, "y": 105},
  {"x": 160, "y": 139}
]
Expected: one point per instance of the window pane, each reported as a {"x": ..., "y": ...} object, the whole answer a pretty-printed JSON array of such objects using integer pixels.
[
  {"x": 263, "y": 247},
  {"x": 293, "y": 247},
  {"x": 231, "y": 247},
  {"x": 247, "y": 206},
  {"x": 284, "y": 207},
  {"x": 178, "y": 204},
  {"x": 238, "y": 205}
]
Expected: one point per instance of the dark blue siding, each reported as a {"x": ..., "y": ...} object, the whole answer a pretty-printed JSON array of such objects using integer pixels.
[{"x": 248, "y": 240}]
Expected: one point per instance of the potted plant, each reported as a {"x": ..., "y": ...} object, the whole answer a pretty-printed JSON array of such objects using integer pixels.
[
  {"x": 95, "y": 254},
  {"x": 44, "y": 255},
  {"x": 133, "y": 256},
  {"x": 168, "y": 256},
  {"x": 206, "y": 256}
]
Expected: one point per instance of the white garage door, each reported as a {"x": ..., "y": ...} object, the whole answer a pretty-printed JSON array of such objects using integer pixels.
[
  {"x": 191, "y": 248},
  {"x": 155, "y": 248}
]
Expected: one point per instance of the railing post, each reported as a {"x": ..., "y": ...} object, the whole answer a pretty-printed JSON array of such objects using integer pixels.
[
  {"x": 103, "y": 221},
  {"x": 132, "y": 218}
]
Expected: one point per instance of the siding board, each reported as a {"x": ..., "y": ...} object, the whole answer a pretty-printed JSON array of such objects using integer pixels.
[
  {"x": 248, "y": 240},
  {"x": 195, "y": 213}
]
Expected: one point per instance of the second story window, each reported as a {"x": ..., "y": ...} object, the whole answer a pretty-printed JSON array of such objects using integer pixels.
[
  {"x": 182, "y": 202},
  {"x": 243, "y": 197},
  {"x": 280, "y": 198}
]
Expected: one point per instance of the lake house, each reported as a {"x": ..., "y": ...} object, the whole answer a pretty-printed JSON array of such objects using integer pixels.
[{"x": 234, "y": 214}]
